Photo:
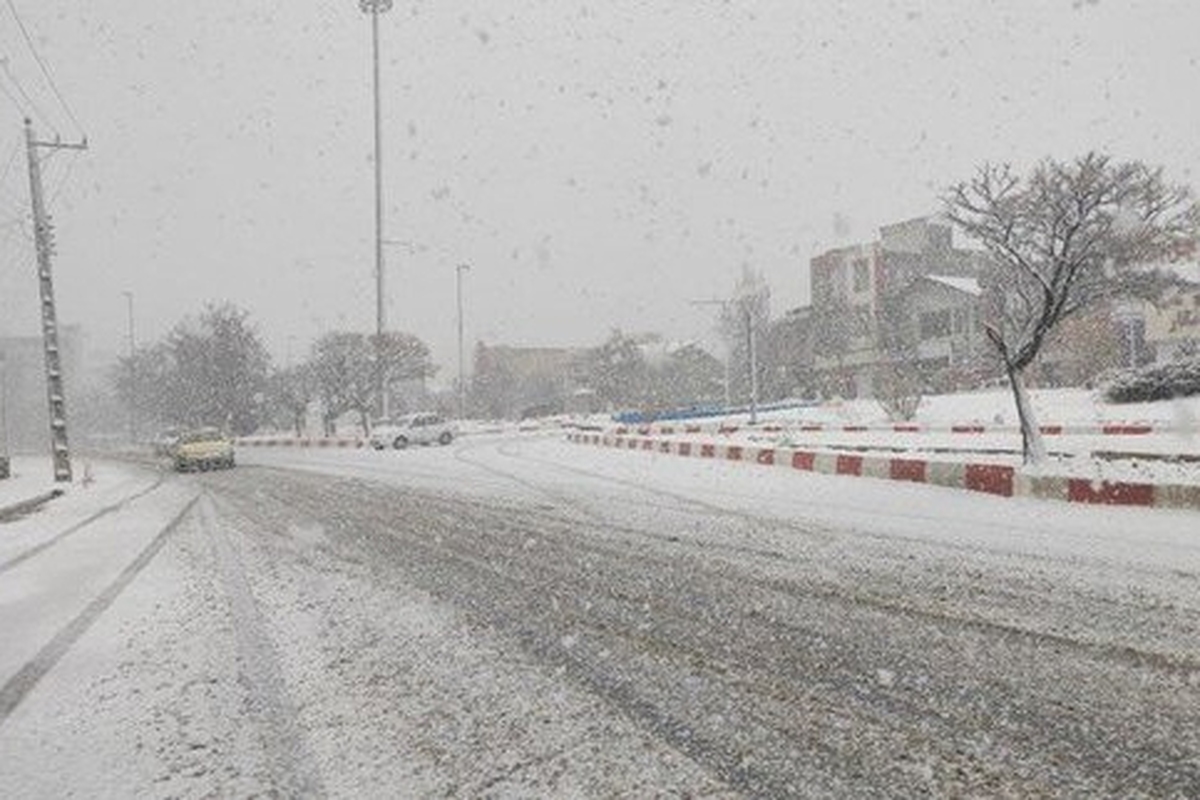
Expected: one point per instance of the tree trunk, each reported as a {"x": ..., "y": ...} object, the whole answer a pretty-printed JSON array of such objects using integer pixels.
[{"x": 1033, "y": 448}]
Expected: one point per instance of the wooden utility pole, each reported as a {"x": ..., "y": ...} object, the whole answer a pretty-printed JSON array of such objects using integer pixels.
[{"x": 43, "y": 235}]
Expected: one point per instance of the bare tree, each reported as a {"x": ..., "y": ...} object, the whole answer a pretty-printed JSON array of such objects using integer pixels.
[
  {"x": 290, "y": 391},
  {"x": 1062, "y": 239}
]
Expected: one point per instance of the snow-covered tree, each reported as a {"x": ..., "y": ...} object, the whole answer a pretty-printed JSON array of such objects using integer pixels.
[
  {"x": 1061, "y": 239},
  {"x": 290, "y": 392},
  {"x": 210, "y": 370}
]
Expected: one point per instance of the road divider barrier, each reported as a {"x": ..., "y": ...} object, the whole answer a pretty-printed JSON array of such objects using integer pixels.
[
  {"x": 297, "y": 441},
  {"x": 996, "y": 479}
]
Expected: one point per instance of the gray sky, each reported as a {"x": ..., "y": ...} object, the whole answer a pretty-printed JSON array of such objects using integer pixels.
[{"x": 597, "y": 164}]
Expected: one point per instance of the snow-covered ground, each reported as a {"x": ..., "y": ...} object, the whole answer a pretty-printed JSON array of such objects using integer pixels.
[
  {"x": 996, "y": 407},
  {"x": 189, "y": 635}
]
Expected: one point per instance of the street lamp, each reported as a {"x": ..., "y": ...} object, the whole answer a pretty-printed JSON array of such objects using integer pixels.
[
  {"x": 462, "y": 386},
  {"x": 375, "y": 8},
  {"x": 133, "y": 387}
]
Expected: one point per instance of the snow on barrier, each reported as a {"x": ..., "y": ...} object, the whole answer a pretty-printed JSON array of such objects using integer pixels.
[
  {"x": 997, "y": 479},
  {"x": 1105, "y": 429}
]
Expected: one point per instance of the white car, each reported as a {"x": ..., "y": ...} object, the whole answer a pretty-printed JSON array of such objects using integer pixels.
[{"x": 412, "y": 429}]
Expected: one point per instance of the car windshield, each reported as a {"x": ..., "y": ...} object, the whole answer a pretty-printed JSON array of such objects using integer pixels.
[{"x": 600, "y": 399}]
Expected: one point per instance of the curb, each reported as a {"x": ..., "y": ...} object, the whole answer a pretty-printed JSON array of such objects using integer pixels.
[
  {"x": 14, "y": 510},
  {"x": 997, "y": 479}
]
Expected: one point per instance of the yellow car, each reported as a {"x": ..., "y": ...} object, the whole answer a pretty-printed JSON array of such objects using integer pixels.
[{"x": 203, "y": 449}]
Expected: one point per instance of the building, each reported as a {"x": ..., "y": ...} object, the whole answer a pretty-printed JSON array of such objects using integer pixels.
[
  {"x": 24, "y": 410},
  {"x": 860, "y": 295},
  {"x": 943, "y": 332},
  {"x": 513, "y": 382},
  {"x": 1172, "y": 328}
]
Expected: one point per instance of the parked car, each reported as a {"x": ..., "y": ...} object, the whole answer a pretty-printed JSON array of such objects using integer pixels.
[
  {"x": 203, "y": 449},
  {"x": 412, "y": 429}
]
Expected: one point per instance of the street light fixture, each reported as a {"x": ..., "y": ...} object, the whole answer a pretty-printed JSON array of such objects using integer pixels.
[{"x": 375, "y": 8}]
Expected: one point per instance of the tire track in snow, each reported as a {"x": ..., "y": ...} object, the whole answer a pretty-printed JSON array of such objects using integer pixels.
[
  {"x": 285, "y": 748},
  {"x": 18, "y": 687}
]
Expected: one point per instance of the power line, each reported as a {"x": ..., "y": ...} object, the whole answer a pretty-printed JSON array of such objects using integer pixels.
[
  {"x": 45, "y": 70},
  {"x": 30, "y": 106},
  {"x": 9, "y": 95},
  {"x": 62, "y": 181},
  {"x": 8, "y": 164}
]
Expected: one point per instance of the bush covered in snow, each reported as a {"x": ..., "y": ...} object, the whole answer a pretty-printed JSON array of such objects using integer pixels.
[{"x": 1154, "y": 382}]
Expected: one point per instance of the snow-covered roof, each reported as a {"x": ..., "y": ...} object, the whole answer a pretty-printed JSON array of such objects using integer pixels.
[{"x": 968, "y": 285}]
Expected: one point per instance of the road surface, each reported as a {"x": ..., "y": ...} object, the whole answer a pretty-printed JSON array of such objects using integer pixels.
[{"x": 518, "y": 616}]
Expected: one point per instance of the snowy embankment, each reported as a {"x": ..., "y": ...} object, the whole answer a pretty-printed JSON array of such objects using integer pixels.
[{"x": 1142, "y": 454}]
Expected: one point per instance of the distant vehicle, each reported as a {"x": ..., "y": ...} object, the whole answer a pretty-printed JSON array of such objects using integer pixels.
[
  {"x": 412, "y": 429},
  {"x": 203, "y": 449}
]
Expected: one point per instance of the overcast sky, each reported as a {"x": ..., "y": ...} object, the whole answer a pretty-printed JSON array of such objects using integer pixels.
[{"x": 597, "y": 165}]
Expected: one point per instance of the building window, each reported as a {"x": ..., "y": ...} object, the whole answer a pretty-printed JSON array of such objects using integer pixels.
[
  {"x": 862, "y": 275},
  {"x": 935, "y": 324}
]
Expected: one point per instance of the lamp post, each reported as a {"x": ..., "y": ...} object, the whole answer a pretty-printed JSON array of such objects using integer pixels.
[
  {"x": 375, "y": 8},
  {"x": 133, "y": 387},
  {"x": 462, "y": 386}
]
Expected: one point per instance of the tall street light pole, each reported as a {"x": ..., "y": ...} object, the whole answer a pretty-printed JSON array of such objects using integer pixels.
[
  {"x": 462, "y": 386},
  {"x": 133, "y": 387},
  {"x": 375, "y": 8}
]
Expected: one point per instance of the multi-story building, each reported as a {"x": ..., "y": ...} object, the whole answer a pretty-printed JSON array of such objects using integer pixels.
[{"x": 859, "y": 296}]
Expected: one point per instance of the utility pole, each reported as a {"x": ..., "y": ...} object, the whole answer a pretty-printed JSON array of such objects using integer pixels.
[
  {"x": 375, "y": 8},
  {"x": 462, "y": 386},
  {"x": 44, "y": 242},
  {"x": 133, "y": 382}
]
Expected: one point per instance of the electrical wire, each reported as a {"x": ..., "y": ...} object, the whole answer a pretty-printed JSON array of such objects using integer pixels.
[
  {"x": 8, "y": 93},
  {"x": 31, "y": 108},
  {"x": 12, "y": 156},
  {"x": 45, "y": 70},
  {"x": 68, "y": 171}
]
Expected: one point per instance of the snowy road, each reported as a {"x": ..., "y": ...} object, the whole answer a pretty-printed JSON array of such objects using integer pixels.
[{"x": 523, "y": 617}]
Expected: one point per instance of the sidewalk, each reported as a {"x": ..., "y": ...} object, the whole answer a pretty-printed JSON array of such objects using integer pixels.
[{"x": 30, "y": 484}]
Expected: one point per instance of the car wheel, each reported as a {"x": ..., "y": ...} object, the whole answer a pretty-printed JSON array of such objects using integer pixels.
[
  {"x": 400, "y": 442},
  {"x": 445, "y": 438},
  {"x": 377, "y": 445}
]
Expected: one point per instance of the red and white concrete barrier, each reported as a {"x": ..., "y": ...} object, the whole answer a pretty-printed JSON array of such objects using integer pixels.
[
  {"x": 998, "y": 479},
  {"x": 297, "y": 441}
]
